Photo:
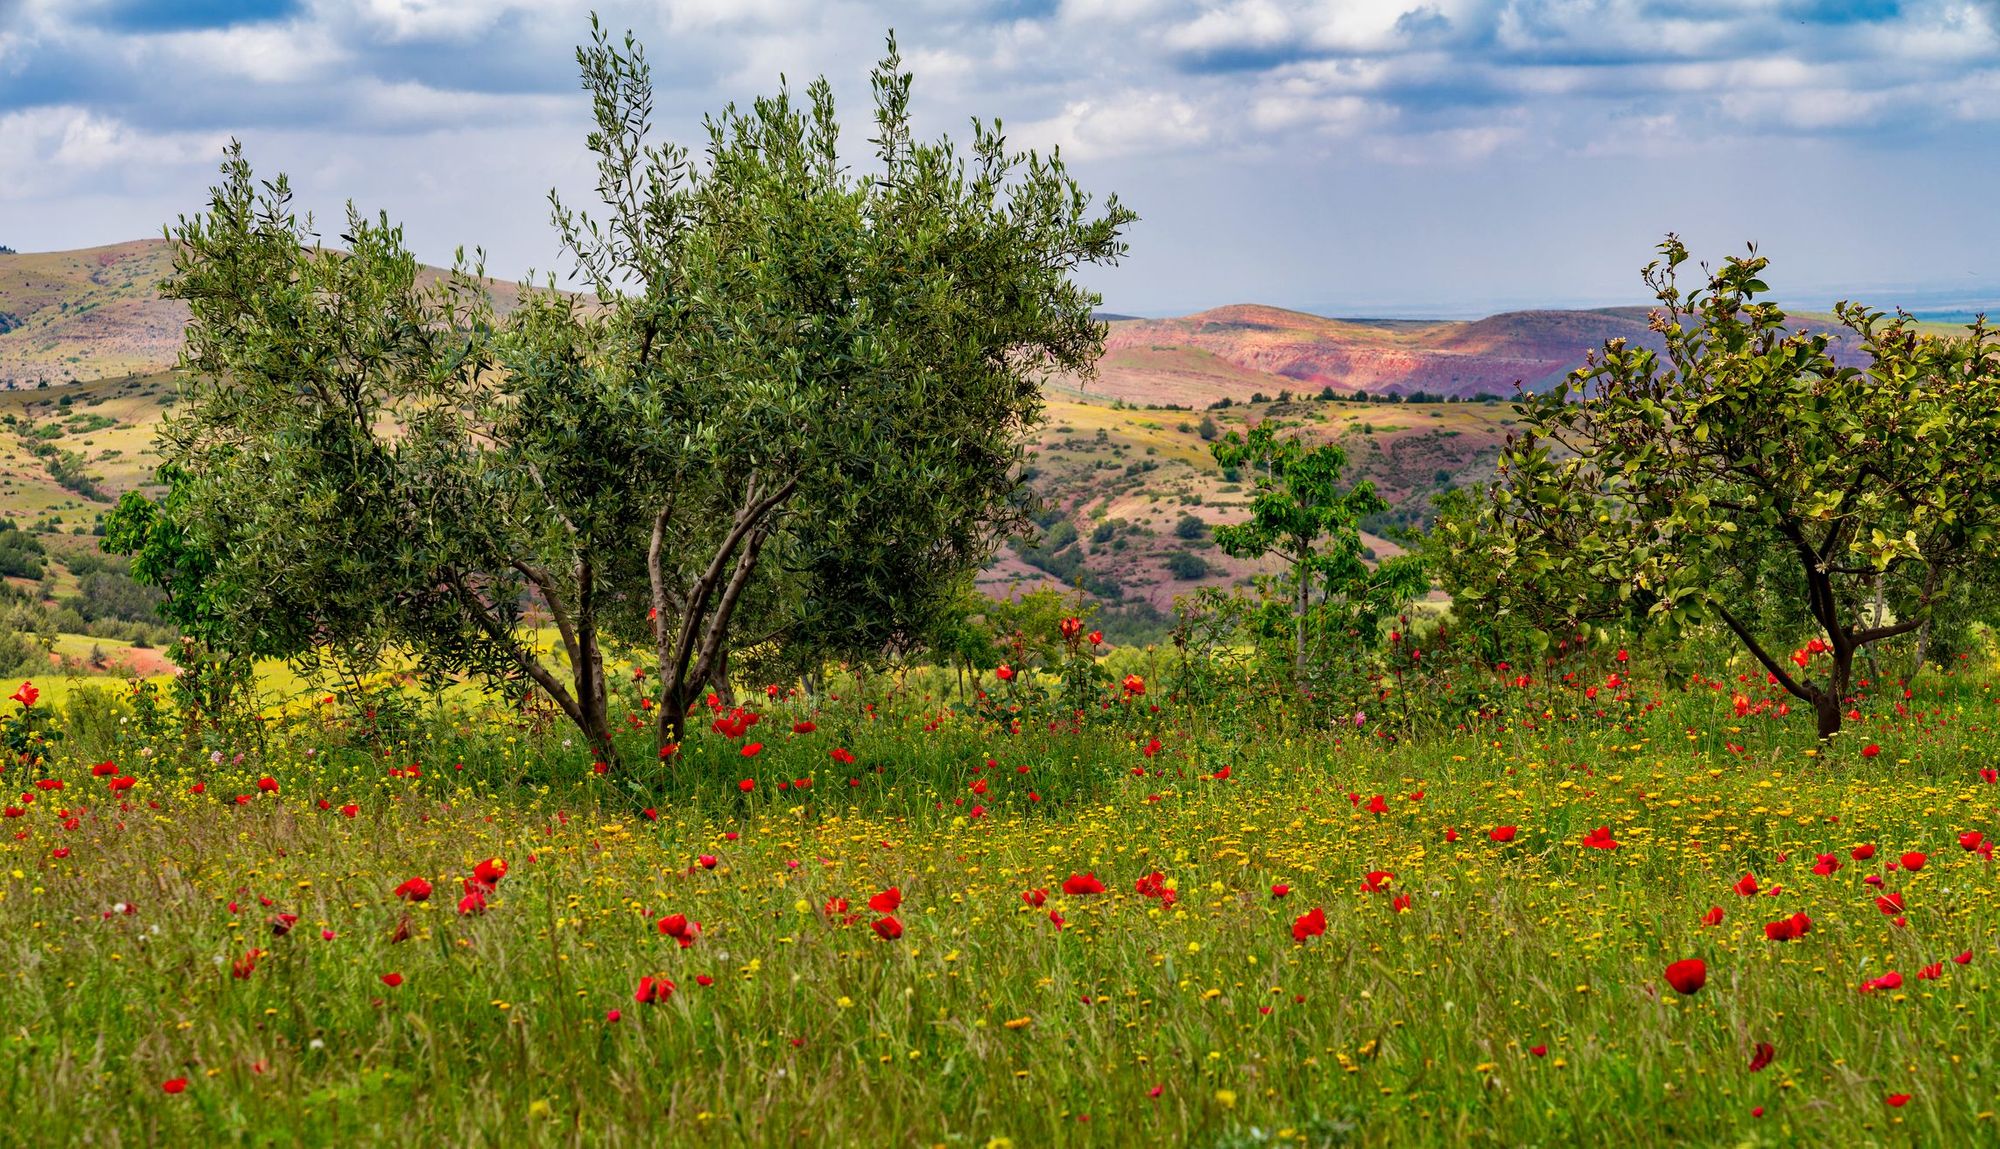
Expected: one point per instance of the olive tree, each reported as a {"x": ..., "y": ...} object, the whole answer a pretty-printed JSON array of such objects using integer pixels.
[
  {"x": 787, "y": 413},
  {"x": 1794, "y": 487}
]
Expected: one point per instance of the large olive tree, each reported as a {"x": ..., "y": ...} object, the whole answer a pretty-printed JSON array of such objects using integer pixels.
[
  {"x": 1746, "y": 464},
  {"x": 788, "y": 412}
]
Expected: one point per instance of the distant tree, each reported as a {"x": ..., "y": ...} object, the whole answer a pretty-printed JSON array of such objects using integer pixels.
[
  {"x": 1302, "y": 515},
  {"x": 791, "y": 418},
  {"x": 1744, "y": 475},
  {"x": 1186, "y": 566},
  {"x": 1191, "y": 527},
  {"x": 1207, "y": 429}
]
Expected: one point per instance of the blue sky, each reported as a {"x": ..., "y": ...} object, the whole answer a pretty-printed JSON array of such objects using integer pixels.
[{"x": 1356, "y": 157}]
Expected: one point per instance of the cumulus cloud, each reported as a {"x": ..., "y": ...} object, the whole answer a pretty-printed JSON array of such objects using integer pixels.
[{"x": 118, "y": 94}]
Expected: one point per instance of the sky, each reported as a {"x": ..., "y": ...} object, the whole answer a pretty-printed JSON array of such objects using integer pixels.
[{"x": 1343, "y": 157}]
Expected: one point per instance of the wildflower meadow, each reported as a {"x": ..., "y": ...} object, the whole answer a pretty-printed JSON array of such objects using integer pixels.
[{"x": 1648, "y": 913}]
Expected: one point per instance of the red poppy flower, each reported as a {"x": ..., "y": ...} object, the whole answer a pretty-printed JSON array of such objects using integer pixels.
[
  {"x": 1971, "y": 839},
  {"x": 1862, "y": 853},
  {"x": 887, "y": 927},
  {"x": 1376, "y": 881},
  {"x": 707, "y": 861},
  {"x": 414, "y": 890},
  {"x": 1004, "y": 673},
  {"x": 804, "y": 727},
  {"x": 174, "y": 1085},
  {"x": 349, "y": 810},
  {"x": 1890, "y": 904},
  {"x": 268, "y": 784},
  {"x": 1057, "y": 920},
  {"x": 1035, "y": 898},
  {"x": 843, "y": 756},
  {"x": 1399, "y": 903},
  {"x": 1502, "y": 834},
  {"x": 1897, "y": 1100},
  {"x": 1280, "y": 890},
  {"x": 1762, "y": 1057},
  {"x": 1746, "y": 885},
  {"x": 1931, "y": 972},
  {"x": 1079, "y": 884},
  {"x": 104, "y": 770},
  {"x": 1539, "y": 1050},
  {"x": 1310, "y": 924},
  {"x": 392, "y": 980},
  {"x": 490, "y": 871},
  {"x": 1600, "y": 839},
  {"x": 1688, "y": 975},
  {"x": 26, "y": 696},
  {"x": 653, "y": 990},
  {"x": 1826, "y": 864},
  {"x": 1963, "y": 958},
  {"x": 1870, "y": 750},
  {"x": 1713, "y": 917},
  {"x": 474, "y": 902},
  {"x": 1913, "y": 861},
  {"x": 1890, "y": 980},
  {"x": 888, "y": 901}
]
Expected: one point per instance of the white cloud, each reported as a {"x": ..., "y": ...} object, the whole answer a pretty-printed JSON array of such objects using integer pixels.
[
  {"x": 1121, "y": 123},
  {"x": 51, "y": 150}
]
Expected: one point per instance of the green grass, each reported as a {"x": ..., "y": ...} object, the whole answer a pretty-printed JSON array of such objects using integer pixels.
[{"x": 1139, "y": 1022}]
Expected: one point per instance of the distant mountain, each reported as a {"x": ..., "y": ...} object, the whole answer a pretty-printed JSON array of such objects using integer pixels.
[
  {"x": 1245, "y": 348},
  {"x": 97, "y": 313}
]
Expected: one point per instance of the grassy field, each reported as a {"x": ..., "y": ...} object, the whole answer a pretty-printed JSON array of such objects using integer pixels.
[{"x": 1470, "y": 985}]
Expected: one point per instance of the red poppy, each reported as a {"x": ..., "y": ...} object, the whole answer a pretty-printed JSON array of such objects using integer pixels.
[
  {"x": 1963, "y": 958},
  {"x": 1035, "y": 898},
  {"x": 752, "y": 749},
  {"x": 392, "y": 980},
  {"x": 1539, "y": 1050},
  {"x": 1897, "y": 1100},
  {"x": 887, "y": 927},
  {"x": 1870, "y": 750},
  {"x": 1862, "y": 853},
  {"x": 1762, "y": 1057},
  {"x": 1890, "y": 980},
  {"x": 474, "y": 902},
  {"x": 243, "y": 967},
  {"x": 1788, "y": 929},
  {"x": 888, "y": 901},
  {"x": 267, "y": 784},
  {"x": 707, "y": 861},
  {"x": 1970, "y": 839},
  {"x": 1600, "y": 839},
  {"x": 1280, "y": 890},
  {"x": 1890, "y": 904},
  {"x": 1399, "y": 903},
  {"x": 1135, "y": 685},
  {"x": 1502, "y": 834},
  {"x": 349, "y": 810},
  {"x": 1746, "y": 885},
  {"x": 1913, "y": 861},
  {"x": 104, "y": 770},
  {"x": 414, "y": 890},
  {"x": 490, "y": 871},
  {"x": 1688, "y": 975},
  {"x": 653, "y": 990},
  {"x": 1375, "y": 881},
  {"x": 1826, "y": 864},
  {"x": 1713, "y": 917},
  {"x": 174, "y": 1085},
  {"x": 1931, "y": 972},
  {"x": 806, "y": 727},
  {"x": 26, "y": 696},
  {"x": 1079, "y": 884},
  {"x": 843, "y": 756},
  {"x": 1057, "y": 920},
  {"x": 1004, "y": 673},
  {"x": 1310, "y": 924}
]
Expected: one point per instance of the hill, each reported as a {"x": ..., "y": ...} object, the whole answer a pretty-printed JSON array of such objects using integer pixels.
[
  {"x": 1121, "y": 465},
  {"x": 68, "y": 316}
]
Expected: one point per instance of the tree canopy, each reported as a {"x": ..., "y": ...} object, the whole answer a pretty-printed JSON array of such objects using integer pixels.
[
  {"x": 1751, "y": 472},
  {"x": 787, "y": 414}
]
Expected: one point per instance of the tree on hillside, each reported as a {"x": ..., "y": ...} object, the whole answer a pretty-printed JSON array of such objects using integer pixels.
[
  {"x": 791, "y": 418},
  {"x": 1744, "y": 475},
  {"x": 1301, "y": 515}
]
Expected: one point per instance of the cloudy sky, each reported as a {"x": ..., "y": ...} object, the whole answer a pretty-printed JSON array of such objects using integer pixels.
[{"x": 1354, "y": 157}]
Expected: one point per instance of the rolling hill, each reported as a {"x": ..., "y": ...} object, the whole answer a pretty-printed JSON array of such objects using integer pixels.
[{"x": 1121, "y": 464}]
